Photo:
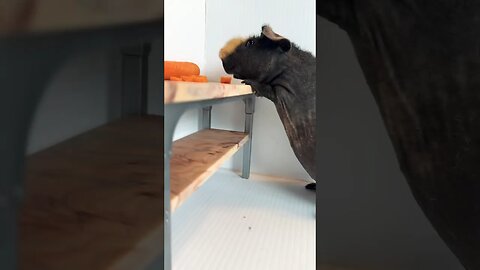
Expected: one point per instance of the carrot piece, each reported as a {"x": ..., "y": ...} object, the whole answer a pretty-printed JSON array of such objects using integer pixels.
[
  {"x": 187, "y": 78},
  {"x": 178, "y": 69},
  {"x": 225, "y": 79},
  {"x": 172, "y": 78},
  {"x": 195, "y": 78},
  {"x": 200, "y": 79}
]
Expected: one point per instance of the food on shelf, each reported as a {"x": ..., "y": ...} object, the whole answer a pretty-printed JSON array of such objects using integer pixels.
[
  {"x": 172, "y": 78},
  {"x": 225, "y": 79},
  {"x": 179, "y": 69},
  {"x": 195, "y": 78}
]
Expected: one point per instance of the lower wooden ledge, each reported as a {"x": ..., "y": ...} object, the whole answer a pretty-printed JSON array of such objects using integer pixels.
[
  {"x": 95, "y": 201},
  {"x": 197, "y": 156}
]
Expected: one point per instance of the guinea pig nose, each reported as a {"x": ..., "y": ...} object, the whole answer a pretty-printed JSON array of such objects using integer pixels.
[{"x": 228, "y": 65}]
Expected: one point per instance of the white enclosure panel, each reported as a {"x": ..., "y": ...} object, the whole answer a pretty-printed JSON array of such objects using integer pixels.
[
  {"x": 185, "y": 31},
  {"x": 185, "y": 41}
]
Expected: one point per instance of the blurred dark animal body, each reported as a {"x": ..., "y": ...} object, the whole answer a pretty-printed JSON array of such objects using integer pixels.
[{"x": 421, "y": 60}]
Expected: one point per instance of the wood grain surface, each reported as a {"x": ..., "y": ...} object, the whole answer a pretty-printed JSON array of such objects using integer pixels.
[
  {"x": 95, "y": 201},
  {"x": 178, "y": 92},
  {"x": 197, "y": 157},
  {"x": 33, "y": 16}
]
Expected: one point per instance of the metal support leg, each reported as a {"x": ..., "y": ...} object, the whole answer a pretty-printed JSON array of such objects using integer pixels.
[
  {"x": 172, "y": 115},
  {"x": 24, "y": 73},
  {"x": 134, "y": 78},
  {"x": 205, "y": 118},
  {"x": 247, "y": 148}
]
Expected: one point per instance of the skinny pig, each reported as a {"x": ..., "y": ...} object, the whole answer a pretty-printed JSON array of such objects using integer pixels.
[{"x": 279, "y": 70}]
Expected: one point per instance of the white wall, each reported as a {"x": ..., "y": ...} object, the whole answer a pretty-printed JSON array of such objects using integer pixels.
[
  {"x": 185, "y": 41},
  {"x": 225, "y": 19},
  {"x": 185, "y": 31}
]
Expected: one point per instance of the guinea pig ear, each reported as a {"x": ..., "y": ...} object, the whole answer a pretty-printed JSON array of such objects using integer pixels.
[
  {"x": 285, "y": 44},
  {"x": 268, "y": 32},
  {"x": 282, "y": 42}
]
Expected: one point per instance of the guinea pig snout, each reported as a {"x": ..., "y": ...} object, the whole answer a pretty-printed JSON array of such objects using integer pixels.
[{"x": 228, "y": 65}]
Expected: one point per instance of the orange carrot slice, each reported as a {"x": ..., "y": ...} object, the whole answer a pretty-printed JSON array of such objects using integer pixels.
[
  {"x": 178, "y": 69},
  {"x": 225, "y": 79},
  {"x": 200, "y": 79},
  {"x": 194, "y": 78},
  {"x": 172, "y": 78}
]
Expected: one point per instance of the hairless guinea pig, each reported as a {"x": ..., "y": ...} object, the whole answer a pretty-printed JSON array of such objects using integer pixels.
[{"x": 279, "y": 70}]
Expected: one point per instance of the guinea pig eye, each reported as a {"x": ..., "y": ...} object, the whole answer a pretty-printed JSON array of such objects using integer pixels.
[{"x": 249, "y": 43}]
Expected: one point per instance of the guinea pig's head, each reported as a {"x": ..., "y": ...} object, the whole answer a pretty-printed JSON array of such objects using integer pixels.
[{"x": 255, "y": 58}]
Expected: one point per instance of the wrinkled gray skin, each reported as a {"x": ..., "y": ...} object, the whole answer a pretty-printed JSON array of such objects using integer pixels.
[
  {"x": 278, "y": 70},
  {"x": 421, "y": 60}
]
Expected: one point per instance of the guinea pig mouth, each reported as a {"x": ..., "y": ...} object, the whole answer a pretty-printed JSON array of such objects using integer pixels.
[
  {"x": 238, "y": 77},
  {"x": 231, "y": 68},
  {"x": 228, "y": 67}
]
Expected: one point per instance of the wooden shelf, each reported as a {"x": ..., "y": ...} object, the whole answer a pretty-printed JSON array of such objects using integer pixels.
[
  {"x": 34, "y": 16},
  {"x": 197, "y": 157},
  {"x": 95, "y": 201},
  {"x": 179, "y": 92}
]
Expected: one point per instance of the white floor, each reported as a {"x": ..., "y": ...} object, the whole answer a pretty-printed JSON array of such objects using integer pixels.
[{"x": 232, "y": 223}]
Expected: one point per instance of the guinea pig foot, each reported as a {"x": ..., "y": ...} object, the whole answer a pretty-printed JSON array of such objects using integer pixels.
[
  {"x": 254, "y": 89},
  {"x": 311, "y": 186}
]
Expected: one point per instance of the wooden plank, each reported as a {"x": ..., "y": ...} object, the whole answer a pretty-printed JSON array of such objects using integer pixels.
[
  {"x": 197, "y": 157},
  {"x": 178, "y": 92},
  {"x": 96, "y": 201},
  {"x": 32, "y": 16}
]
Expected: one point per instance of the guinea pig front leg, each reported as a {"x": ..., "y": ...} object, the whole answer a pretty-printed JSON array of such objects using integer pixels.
[{"x": 262, "y": 90}]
